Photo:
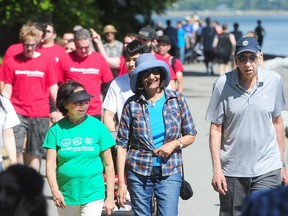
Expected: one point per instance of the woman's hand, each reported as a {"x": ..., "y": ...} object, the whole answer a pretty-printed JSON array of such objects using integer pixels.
[
  {"x": 58, "y": 199},
  {"x": 121, "y": 194},
  {"x": 166, "y": 149},
  {"x": 109, "y": 205}
]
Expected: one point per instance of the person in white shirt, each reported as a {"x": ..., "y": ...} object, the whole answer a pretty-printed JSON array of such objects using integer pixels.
[
  {"x": 8, "y": 119},
  {"x": 119, "y": 90}
]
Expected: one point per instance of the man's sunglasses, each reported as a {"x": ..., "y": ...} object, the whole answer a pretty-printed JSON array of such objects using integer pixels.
[{"x": 243, "y": 58}]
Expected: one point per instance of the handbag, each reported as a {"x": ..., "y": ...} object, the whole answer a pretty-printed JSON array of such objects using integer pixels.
[{"x": 186, "y": 191}]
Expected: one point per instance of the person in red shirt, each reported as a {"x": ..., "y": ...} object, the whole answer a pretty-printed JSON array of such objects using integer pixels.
[
  {"x": 163, "y": 48},
  {"x": 17, "y": 48},
  {"x": 29, "y": 77},
  {"x": 48, "y": 46},
  {"x": 87, "y": 67}
]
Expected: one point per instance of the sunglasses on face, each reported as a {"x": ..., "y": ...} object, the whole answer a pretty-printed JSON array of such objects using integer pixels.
[
  {"x": 243, "y": 58},
  {"x": 79, "y": 103},
  {"x": 26, "y": 45},
  {"x": 154, "y": 71}
]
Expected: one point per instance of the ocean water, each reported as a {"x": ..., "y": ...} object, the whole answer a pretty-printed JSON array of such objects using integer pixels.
[{"x": 276, "y": 27}]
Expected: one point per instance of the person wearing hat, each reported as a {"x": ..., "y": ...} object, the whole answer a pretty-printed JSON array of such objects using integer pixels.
[
  {"x": 149, "y": 36},
  {"x": 78, "y": 149},
  {"x": 155, "y": 126},
  {"x": 112, "y": 47},
  {"x": 163, "y": 48},
  {"x": 246, "y": 132}
]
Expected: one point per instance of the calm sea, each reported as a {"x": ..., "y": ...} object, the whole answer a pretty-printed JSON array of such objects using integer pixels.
[{"x": 276, "y": 27}]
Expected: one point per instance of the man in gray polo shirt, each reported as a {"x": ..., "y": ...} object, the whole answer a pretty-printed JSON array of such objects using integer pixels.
[{"x": 246, "y": 132}]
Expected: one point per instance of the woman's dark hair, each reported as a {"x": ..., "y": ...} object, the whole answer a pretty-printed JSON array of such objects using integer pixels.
[
  {"x": 1, "y": 104},
  {"x": 64, "y": 91},
  {"x": 135, "y": 47},
  {"x": 31, "y": 184}
]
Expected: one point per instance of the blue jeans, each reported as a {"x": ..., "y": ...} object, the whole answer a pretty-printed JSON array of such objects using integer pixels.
[
  {"x": 182, "y": 54},
  {"x": 166, "y": 190}
]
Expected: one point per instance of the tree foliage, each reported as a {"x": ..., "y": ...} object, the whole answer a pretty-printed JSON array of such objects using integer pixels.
[{"x": 66, "y": 13}]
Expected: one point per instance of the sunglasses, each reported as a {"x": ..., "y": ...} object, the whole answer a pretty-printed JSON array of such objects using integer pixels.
[
  {"x": 30, "y": 45},
  {"x": 81, "y": 102},
  {"x": 243, "y": 58}
]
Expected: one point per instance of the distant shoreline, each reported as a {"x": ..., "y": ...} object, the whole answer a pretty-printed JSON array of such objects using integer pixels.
[{"x": 224, "y": 13}]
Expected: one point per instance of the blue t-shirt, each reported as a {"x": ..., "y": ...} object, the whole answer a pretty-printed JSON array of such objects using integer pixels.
[
  {"x": 181, "y": 38},
  {"x": 157, "y": 125}
]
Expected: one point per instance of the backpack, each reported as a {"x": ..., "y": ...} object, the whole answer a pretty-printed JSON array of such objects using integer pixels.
[{"x": 172, "y": 61}]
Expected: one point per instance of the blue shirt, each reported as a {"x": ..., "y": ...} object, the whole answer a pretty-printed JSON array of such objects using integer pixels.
[
  {"x": 135, "y": 132},
  {"x": 157, "y": 125}
]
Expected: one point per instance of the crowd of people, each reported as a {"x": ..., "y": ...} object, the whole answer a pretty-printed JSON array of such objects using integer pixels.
[{"x": 62, "y": 99}]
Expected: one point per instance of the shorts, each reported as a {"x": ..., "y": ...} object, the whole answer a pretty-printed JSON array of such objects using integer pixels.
[
  {"x": 209, "y": 56},
  {"x": 34, "y": 129}
]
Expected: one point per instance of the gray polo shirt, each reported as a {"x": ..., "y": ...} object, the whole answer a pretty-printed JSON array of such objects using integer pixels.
[{"x": 249, "y": 146}]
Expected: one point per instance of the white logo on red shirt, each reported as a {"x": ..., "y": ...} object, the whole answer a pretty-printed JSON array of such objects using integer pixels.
[
  {"x": 85, "y": 70},
  {"x": 29, "y": 73}
]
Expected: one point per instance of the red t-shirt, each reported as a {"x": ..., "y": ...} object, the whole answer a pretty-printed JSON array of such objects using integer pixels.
[
  {"x": 122, "y": 68},
  {"x": 55, "y": 51},
  {"x": 30, "y": 79},
  {"x": 91, "y": 72},
  {"x": 172, "y": 73},
  {"x": 13, "y": 50},
  {"x": 178, "y": 66}
]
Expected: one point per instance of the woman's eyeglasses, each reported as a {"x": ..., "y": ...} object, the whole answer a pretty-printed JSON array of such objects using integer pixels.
[
  {"x": 81, "y": 102},
  {"x": 243, "y": 58}
]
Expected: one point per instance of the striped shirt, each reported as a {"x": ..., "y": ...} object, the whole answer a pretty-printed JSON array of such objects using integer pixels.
[{"x": 135, "y": 133}]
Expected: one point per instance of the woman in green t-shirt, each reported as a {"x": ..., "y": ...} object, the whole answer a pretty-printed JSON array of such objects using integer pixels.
[{"x": 78, "y": 148}]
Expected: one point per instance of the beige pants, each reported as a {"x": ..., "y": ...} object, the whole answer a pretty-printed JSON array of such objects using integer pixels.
[{"x": 89, "y": 209}]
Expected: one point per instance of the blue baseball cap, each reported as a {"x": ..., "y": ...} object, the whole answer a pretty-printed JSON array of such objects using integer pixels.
[
  {"x": 148, "y": 61},
  {"x": 247, "y": 44}
]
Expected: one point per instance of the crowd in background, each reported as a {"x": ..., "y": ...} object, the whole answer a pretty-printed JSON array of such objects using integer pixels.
[{"x": 50, "y": 80}]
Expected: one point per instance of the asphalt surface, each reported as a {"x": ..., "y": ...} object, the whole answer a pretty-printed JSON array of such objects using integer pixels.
[{"x": 197, "y": 162}]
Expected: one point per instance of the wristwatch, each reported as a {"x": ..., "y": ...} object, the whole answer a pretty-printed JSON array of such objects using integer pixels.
[
  {"x": 180, "y": 144},
  {"x": 284, "y": 164}
]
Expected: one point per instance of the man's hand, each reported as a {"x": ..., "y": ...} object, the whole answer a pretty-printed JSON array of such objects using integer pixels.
[
  {"x": 54, "y": 117},
  {"x": 284, "y": 176},
  {"x": 219, "y": 183}
]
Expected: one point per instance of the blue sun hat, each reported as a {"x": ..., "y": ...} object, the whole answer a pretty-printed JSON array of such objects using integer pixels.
[{"x": 148, "y": 61}]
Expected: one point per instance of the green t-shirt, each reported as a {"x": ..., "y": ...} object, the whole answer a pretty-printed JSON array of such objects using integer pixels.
[{"x": 79, "y": 165}]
